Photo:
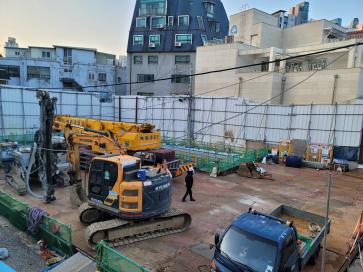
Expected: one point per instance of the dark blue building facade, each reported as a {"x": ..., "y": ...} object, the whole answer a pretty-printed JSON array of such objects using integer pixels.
[{"x": 176, "y": 25}]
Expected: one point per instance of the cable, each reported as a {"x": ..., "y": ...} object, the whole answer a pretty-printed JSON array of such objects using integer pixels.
[
  {"x": 219, "y": 70},
  {"x": 269, "y": 100}
]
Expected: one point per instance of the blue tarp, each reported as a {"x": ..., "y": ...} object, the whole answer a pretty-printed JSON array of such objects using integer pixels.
[{"x": 346, "y": 153}]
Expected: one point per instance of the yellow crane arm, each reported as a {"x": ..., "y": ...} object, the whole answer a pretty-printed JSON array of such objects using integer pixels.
[{"x": 135, "y": 137}]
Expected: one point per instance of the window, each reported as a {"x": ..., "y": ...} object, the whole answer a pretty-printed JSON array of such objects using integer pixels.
[
  {"x": 183, "y": 20},
  {"x": 204, "y": 39},
  {"x": 247, "y": 248},
  {"x": 170, "y": 20},
  {"x": 210, "y": 8},
  {"x": 11, "y": 71},
  {"x": 183, "y": 38},
  {"x": 17, "y": 53},
  {"x": 67, "y": 56},
  {"x": 141, "y": 22},
  {"x": 91, "y": 76},
  {"x": 102, "y": 77},
  {"x": 118, "y": 79},
  {"x": 214, "y": 26},
  {"x": 145, "y": 94},
  {"x": 180, "y": 79},
  {"x": 158, "y": 22},
  {"x": 288, "y": 250},
  {"x": 153, "y": 59},
  {"x": 254, "y": 40},
  {"x": 38, "y": 72},
  {"x": 137, "y": 59},
  {"x": 67, "y": 70},
  {"x": 45, "y": 54},
  {"x": 145, "y": 78},
  {"x": 138, "y": 39},
  {"x": 154, "y": 39},
  {"x": 317, "y": 64},
  {"x": 152, "y": 7},
  {"x": 200, "y": 22},
  {"x": 182, "y": 59},
  {"x": 3, "y": 82},
  {"x": 294, "y": 67}
]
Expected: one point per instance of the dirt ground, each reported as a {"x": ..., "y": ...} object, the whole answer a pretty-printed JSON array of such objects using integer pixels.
[{"x": 221, "y": 199}]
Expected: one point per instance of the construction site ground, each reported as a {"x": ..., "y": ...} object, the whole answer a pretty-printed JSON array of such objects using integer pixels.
[{"x": 221, "y": 199}]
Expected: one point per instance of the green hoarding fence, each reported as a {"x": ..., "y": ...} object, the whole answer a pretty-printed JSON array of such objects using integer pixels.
[
  {"x": 57, "y": 235},
  {"x": 206, "y": 156},
  {"x": 110, "y": 260}
]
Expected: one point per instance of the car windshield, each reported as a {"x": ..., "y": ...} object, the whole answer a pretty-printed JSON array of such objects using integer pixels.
[{"x": 249, "y": 250}]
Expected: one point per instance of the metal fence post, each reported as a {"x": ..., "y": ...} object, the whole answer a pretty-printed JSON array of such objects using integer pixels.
[
  {"x": 326, "y": 222},
  {"x": 2, "y": 114}
]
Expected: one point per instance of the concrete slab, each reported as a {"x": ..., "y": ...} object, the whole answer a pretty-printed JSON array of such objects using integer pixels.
[{"x": 221, "y": 199}]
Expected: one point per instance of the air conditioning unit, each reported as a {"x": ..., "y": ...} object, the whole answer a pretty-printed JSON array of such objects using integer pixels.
[
  {"x": 178, "y": 44},
  {"x": 152, "y": 45},
  {"x": 160, "y": 26}
]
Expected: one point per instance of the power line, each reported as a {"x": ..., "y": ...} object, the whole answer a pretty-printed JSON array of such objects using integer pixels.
[
  {"x": 269, "y": 100},
  {"x": 220, "y": 70}
]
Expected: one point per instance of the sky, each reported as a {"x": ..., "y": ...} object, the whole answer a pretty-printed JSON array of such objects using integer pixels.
[{"x": 104, "y": 24}]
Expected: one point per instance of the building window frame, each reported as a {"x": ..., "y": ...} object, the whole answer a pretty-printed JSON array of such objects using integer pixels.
[
  {"x": 170, "y": 20},
  {"x": 153, "y": 59},
  {"x": 210, "y": 9},
  {"x": 102, "y": 77},
  {"x": 184, "y": 41},
  {"x": 138, "y": 19},
  {"x": 39, "y": 72},
  {"x": 184, "y": 16},
  {"x": 67, "y": 56},
  {"x": 182, "y": 59},
  {"x": 138, "y": 42},
  {"x": 91, "y": 76},
  {"x": 201, "y": 22},
  {"x": 154, "y": 35},
  {"x": 46, "y": 54},
  {"x": 180, "y": 79},
  {"x": 204, "y": 38},
  {"x": 143, "y": 78},
  {"x": 138, "y": 59},
  {"x": 156, "y": 17}
]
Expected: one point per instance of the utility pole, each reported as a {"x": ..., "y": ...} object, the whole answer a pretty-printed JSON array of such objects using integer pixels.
[
  {"x": 334, "y": 89},
  {"x": 326, "y": 222},
  {"x": 240, "y": 86}
]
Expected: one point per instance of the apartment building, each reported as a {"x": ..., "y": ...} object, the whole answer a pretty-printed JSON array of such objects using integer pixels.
[
  {"x": 258, "y": 38},
  {"x": 163, "y": 38},
  {"x": 64, "y": 67}
]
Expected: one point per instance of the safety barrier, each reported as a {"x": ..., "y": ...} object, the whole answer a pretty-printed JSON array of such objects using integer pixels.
[
  {"x": 57, "y": 236},
  {"x": 206, "y": 156},
  {"x": 109, "y": 260},
  {"x": 22, "y": 139}
]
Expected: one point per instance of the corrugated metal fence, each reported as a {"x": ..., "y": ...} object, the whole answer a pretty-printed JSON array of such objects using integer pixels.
[{"x": 212, "y": 119}]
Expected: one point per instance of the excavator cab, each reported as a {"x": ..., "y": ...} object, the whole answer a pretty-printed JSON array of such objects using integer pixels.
[{"x": 118, "y": 185}]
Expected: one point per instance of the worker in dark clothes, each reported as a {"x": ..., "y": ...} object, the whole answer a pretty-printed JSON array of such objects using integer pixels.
[{"x": 189, "y": 184}]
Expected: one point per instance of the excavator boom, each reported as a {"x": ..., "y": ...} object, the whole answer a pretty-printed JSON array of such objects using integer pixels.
[{"x": 135, "y": 137}]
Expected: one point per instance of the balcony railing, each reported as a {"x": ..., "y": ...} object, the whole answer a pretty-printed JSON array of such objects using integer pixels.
[{"x": 152, "y": 11}]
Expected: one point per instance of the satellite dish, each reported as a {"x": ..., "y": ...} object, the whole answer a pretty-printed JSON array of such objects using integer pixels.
[{"x": 234, "y": 30}]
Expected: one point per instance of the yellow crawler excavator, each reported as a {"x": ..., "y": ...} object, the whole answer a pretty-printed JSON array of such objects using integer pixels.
[
  {"x": 125, "y": 202},
  {"x": 139, "y": 140}
]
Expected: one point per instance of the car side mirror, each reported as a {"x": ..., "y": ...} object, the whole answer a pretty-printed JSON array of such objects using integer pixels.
[{"x": 216, "y": 239}]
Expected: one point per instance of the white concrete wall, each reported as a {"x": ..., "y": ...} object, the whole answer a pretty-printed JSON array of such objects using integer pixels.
[
  {"x": 36, "y": 53},
  {"x": 80, "y": 72},
  {"x": 319, "y": 88},
  {"x": 165, "y": 68},
  {"x": 246, "y": 21}
]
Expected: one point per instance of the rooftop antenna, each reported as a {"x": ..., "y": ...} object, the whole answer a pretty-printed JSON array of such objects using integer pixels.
[{"x": 245, "y": 7}]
